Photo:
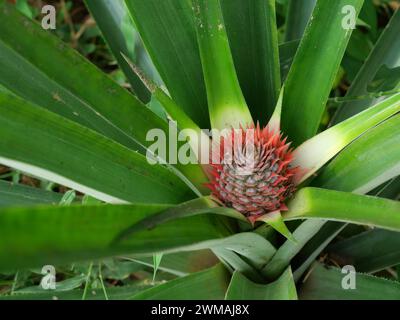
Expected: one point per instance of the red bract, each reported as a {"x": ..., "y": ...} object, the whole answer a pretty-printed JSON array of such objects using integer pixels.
[{"x": 253, "y": 172}]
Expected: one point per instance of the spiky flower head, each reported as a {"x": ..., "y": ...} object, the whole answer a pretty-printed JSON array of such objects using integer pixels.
[{"x": 252, "y": 172}]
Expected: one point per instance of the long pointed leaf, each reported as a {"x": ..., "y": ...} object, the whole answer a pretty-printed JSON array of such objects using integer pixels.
[
  {"x": 370, "y": 161},
  {"x": 370, "y": 251},
  {"x": 114, "y": 21},
  {"x": 31, "y": 237},
  {"x": 325, "y": 283},
  {"x": 181, "y": 263},
  {"x": 234, "y": 262},
  {"x": 46, "y": 145},
  {"x": 241, "y": 288},
  {"x": 67, "y": 84},
  {"x": 197, "y": 206},
  {"x": 167, "y": 30},
  {"x": 226, "y": 103},
  {"x": 257, "y": 250},
  {"x": 314, "y": 69},
  {"x": 331, "y": 229},
  {"x": 345, "y": 206},
  {"x": 114, "y": 293},
  {"x": 310, "y": 252},
  {"x": 386, "y": 52},
  {"x": 281, "y": 260},
  {"x": 18, "y": 195},
  {"x": 253, "y": 39},
  {"x": 317, "y": 151},
  {"x": 210, "y": 284},
  {"x": 299, "y": 13}
]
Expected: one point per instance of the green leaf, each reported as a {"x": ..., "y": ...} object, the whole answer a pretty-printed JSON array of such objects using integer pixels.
[
  {"x": 88, "y": 200},
  {"x": 24, "y": 7},
  {"x": 281, "y": 260},
  {"x": 257, "y": 250},
  {"x": 275, "y": 220},
  {"x": 274, "y": 122},
  {"x": 181, "y": 263},
  {"x": 118, "y": 269},
  {"x": 317, "y": 151},
  {"x": 385, "y": 53},
  {"x": 346, "y": 207},
  {"x": 240, "y": 288},
  {"x": 51, "y": 147},
  {"x": 325, "y": 283},
  {"x": 314, "y": 69},
  {"x": 359, "y": 46},
  {"x": 253, "y": 39},
  {"x": 114, "y": 21},
  {"x": 65, "y": 285},
  {"x": 367, "y": 162},
  {"x": 331, "y": 229},
  {"x": 114, "y": 293},
  {"x": 287, "y": 51},
  {"x": 299, "y": 13},
  {"x": 369, "y": 18},
  {"x": 68, "y": 198},
  {"x": 156, "y": 263},
  {"x": 233, "y": 262},
  {"x": 313, "y": 248},
  {"x": 31, "y": 237},
  {"x": 226, "y": 103},
  {"x": 68, "y": 84},
  {"x": 194, "y": 207},
  {"x": 370, "y": 251},
  {"x": 390, "y": 190},
  {"x": 258, "y": 253},
  {"x": 245, "y": 251},
  {"x": 84, "y": 94},
  {"x": 386, "y": 79},
  {"x": 175, "y": 113},
  {"x": 210, "y": 284},
  {"x": 167, "y": 30},
  {"x": 19, "y": 195}
]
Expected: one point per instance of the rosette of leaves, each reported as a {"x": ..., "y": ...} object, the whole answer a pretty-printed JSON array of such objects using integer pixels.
[{"x": 222, "y": 66}]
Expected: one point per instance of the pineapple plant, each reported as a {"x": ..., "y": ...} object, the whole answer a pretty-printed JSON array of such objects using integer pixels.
[{"x": 310, "y": 184}]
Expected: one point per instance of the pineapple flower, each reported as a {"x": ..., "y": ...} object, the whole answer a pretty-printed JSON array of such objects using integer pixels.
[
  {"x": 260, "y": 171},
  {"x": 260, "y": 174},
  {"x": 254, "y": 171}
]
